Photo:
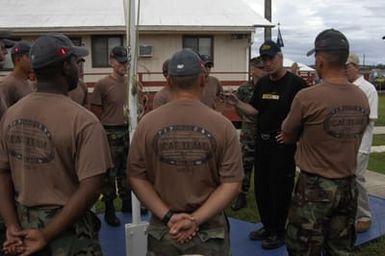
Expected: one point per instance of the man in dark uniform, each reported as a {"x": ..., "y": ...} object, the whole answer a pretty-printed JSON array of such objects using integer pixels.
[
  {"x": 248, "y": 130},
  {"x": 108, "y": 103},
  {"x": 275, "y": 165}
]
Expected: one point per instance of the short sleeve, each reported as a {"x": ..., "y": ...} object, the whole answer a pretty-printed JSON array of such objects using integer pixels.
[
  {"x": 294, "y": 119},
  {"x": 93, "y": 154},
  {"x": 231, "y": 169},
  {"x": 4, "y": 159},
  {"x": 136, "y": 164},
  {"x": 97, "y": 95}
]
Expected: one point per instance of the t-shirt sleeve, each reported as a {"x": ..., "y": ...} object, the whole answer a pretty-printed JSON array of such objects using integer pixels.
[
  {"x": 254, "y": 99},
  {"x": 4, "y": 160},
  {"x": 159, "y": 100},
  {"x": 373, "y": 104},
  {"x": 97, "y": 95},
  {"x": 93, "y": 155},
  {"x": 219, "y": 87},
  {"x": 136, "y": 164},
  {"x": 294, "y": 119},
  {"x": 231, "y": 169}
]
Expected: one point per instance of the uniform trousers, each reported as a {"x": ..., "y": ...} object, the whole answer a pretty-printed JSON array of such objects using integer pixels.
[{"x": 274, "y": 180}]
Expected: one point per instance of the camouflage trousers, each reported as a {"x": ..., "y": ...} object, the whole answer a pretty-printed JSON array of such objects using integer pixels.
[
  {"x": 81, "y": 240},
  {"x": 118, "y": 139},
  {"x": 322, "y": 216},
  {"x": 248, "y": 141},
  {"x": 212, "y": 239}
]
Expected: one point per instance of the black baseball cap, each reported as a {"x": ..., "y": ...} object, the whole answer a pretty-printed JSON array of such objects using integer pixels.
[
  {"x": 207, "y": 60},
  {"x": 269, "y": 48},
  {"x": 21, "y": 47},
  {"x": 119, "y": 53},
  {"x": 185, "y": 63},
  {"x": 6, "y": 38},
  {"x": 53, "y": 48},
  {"x": 330, "y": 40}
]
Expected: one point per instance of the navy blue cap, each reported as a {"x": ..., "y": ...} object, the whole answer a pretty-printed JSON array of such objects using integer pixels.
[
  {"x": 330, "y": 40},
  {"x": 53, "y": 48},
  {"x": 185, "y": 63},
  {"x": 21, "y": 47},
  {"x": 119, "y": 53},
  {"x": 269, "y": 48},
  {"x": 207, "y": 60}
]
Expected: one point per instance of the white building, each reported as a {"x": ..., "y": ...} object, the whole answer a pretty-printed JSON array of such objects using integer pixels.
[{"x": 222, "y": 29}]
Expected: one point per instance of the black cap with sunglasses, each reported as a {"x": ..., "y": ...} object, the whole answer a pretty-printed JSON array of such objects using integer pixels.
[{"x": 208, "y": 61}]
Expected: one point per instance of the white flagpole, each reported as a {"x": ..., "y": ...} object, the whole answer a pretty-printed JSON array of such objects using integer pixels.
[{"x": 136, "y": 239}]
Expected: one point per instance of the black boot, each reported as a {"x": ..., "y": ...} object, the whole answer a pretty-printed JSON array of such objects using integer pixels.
[
  {"x": 240, "y": 202},
  {"x": 109, "y": 215},
  {"x": 126, "y": 205}
]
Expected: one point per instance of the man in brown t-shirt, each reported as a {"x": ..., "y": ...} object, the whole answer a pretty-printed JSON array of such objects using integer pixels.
[
  {"x": 213, "y": 87},
  {"x": 53, "y": 154},
  {"x": 329, "y": 120},
  {"x": 16, "y": 85},
  {"x": 185, "y": 166},
  {"x": 164, "y": 95},
  {"x": 108, "y": 102},
  {"x": 80, "y": 93}
]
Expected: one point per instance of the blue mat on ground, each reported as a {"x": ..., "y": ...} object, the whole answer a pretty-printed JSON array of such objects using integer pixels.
[{"x": 113, "y": 238}]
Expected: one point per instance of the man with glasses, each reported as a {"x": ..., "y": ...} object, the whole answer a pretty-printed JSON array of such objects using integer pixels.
[{"x": 108, "y": 103}]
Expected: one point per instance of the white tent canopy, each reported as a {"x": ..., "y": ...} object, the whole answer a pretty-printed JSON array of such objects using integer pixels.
[{"x": 302, "y": 67}]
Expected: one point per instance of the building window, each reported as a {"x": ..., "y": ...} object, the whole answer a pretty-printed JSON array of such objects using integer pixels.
[
  {"x": 101, "y": 47},
  {"x": 202, "y": 44},
  {"x": 77, "y": 41}
]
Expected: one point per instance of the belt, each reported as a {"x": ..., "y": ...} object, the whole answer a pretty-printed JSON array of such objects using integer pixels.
[
  {"x": 268, "y": 136},
  {"x": 122, "y": 126}
]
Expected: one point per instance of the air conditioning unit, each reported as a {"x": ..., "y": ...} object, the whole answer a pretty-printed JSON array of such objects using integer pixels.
[{"x": 145, "y": 51}]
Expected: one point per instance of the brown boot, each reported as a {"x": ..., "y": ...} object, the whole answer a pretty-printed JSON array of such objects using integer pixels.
[
  {"x": 363, "y": 225},
  {"x": 109, "y": 215}
]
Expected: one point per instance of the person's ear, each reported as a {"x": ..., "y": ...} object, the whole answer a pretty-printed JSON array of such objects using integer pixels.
[{"x": 66, "y": 68}]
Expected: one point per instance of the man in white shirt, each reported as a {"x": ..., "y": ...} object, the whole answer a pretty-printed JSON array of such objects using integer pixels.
[{"x": 363, "y": 217}]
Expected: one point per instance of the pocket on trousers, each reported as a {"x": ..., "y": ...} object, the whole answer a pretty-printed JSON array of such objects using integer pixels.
[
  {"x": 156, "y": 232},
  {"x": 214, "y": 233}
]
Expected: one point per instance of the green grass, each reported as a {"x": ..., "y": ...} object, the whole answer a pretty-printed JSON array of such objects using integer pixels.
[
  {"x": 379, "y": 140},
  {"x": 377, "y": 162},
  {"x": 381, "y": 111}
]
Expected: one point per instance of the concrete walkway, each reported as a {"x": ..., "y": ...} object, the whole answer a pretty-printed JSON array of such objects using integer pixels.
[
  {"x": 379, "y": 130},
  {"x": 375, "y": 182}
]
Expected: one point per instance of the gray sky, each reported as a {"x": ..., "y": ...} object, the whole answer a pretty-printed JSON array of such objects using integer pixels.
[{"x": 362, "y": 22}]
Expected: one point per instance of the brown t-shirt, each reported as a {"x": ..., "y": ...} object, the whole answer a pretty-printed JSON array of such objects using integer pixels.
[
  {"x": 79, "y": 94},
  {"x": 186, "y": 150},
  {"x": 211, "y": 91},
  {"x": 332, "y": 118},
  {"x": 49, "y": 143},
  {"x": 111, "y": 95},
  {"x": 162, "y": 97},
  {"x": 13, "y": 89}
]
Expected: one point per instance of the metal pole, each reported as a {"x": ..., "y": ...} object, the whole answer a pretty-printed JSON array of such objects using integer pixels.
[
  {"x": 268, "y": 17},
  {"x": 130, "y": 18}
]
